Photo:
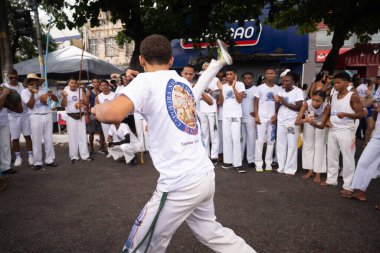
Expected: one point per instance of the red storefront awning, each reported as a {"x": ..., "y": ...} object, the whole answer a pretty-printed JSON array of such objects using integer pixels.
[{"x": 364, "y": 55}]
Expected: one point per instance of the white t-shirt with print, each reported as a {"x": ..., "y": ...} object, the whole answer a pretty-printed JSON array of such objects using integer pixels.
[
  {"x": 231, "y": 107},
  {"x": 248, "y": 102},
  {"x": 286, "y": 116},
  {"x": 38, "y": 108},
  {"x": 119, "y": 134},
  {"x": 267, "y": 105},
  {"x": 203, "y": 106},
  {"x": 167, "y": 103},
  {"x": 72, "y": 98}
]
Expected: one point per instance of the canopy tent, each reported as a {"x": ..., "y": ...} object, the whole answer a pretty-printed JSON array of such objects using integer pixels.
[
  {"x": 365, "y": 58},
  {"x": 65, "y": 62}
]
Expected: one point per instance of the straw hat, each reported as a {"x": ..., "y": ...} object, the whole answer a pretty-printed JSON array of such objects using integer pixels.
[{"x": 32, "y": 76}]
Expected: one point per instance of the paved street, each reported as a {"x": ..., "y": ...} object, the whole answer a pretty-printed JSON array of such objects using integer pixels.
[{"x": 91, "y": 206}]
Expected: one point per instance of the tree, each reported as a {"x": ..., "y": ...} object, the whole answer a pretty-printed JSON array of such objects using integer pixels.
[
  {"x": 198, "y": 20},
  {"x": 343, "y": 17},
  {"x": 23, "y": 47}
]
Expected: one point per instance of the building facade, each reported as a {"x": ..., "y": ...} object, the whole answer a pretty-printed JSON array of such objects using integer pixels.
[{"x": 101, "y": 41}]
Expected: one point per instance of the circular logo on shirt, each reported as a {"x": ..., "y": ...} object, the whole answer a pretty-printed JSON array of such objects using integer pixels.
[
  {"x": 180, "y": 104},
  {"x": 270, "y": 96},
  {"x": 75, "y": 98},
  {"x": 106, "y": 100}
]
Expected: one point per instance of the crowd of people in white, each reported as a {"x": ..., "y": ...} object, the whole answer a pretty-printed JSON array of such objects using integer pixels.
[{"x": 238, "y": 120}]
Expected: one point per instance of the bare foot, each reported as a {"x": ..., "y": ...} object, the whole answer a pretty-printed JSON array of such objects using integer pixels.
[
  {"x": 377, "y": 207},
  {"x": 359, "y": 195},
  {"x": 309, "y": 174},
  {"x": 346, "y": 192},
  {"x": 317, "y": 178},
  {"x": 324, "y": 183}
]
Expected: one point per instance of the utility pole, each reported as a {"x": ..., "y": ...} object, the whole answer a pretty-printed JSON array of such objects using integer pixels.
[
  {"x": 34, "y": 7},
  {"x": 6, "y": 59}
]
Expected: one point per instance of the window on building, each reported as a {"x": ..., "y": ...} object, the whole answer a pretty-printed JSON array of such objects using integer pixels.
[
  {"x": 111, "y": 47},
  {"x": 93, "y": 46},
  {"x": 324, "y": 39}
]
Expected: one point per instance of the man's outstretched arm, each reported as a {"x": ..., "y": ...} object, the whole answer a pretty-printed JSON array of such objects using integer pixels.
[{"x": 113, "y": 111}]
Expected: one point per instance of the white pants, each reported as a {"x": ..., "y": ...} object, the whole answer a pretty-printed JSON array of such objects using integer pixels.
[
  {"x": 341, "y": 141},
  {"x": 140, "y": 147},
  {"x": 231, "y": 141},
  {"x": 76, "y": 131},
  {"x": 127, "y": 150},
  {"x": 314, "y": 149},
  {"x": 248, "y": 131},
  {"x": 41, "y": 127},
  {"x": 268, "y": 130},
  {"x": 368, "y": 165},
  {"x": 5, "y": 147},
  {"x": 194, "y": 206},
  {"x": 105, "y": 129},
  {"x": 220, "y": 133},
  {"x": 286, "y": 149},
  {"x": 209, "y": 125},
  {"x": 19, "y": 125}
]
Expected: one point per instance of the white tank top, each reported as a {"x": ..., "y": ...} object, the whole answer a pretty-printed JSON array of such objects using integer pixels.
[
  {"x": 104, "y": 98},
  {"x": 341, "y": 105},
  {"x": 72, "y": 98},
  {"x": 318, "y": 113}
]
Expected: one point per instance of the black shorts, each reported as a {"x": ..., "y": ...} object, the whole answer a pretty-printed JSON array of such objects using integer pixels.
[{"x": 93, "y": 126}]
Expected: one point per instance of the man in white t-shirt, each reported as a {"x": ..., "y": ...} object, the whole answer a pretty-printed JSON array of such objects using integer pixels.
[
  {"x": 209, "y": 119},
  {"x": 19, "y": 122},
  {"x": 37, "y": 97},
  {"x": 122, "y": 143},
  {"x": 265, "y": 109},
  {"x": 186, "y": 184},
  {"x": 290, "y": 100},
  {"x": 106, "y": 96},
  {"x": 248, "y": 119},
  {"x": 73, "y": 99},
  {"x": 232, "y": 96}
]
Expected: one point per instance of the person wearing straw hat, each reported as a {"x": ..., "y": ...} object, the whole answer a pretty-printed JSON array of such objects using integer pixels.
[{"x": 37, "y": 97}]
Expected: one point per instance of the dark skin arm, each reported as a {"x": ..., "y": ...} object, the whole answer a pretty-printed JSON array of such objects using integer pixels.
[
  {"x": 312, "y": 89},
  {"x": 221, "y": 98},
  {"x": 356, "y": 105},
  {"x": 301, "y": 113},
  {"x": 295, "y": 107},
  {"x": 207, "y": 98},
  {"x": 238, "y": 95},
  {"x": 30, "y": 104},
  {"x": 256, "y": 102},
  {"x": 64, "y": 98}
]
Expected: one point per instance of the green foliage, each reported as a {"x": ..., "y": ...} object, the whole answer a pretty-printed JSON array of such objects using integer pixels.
[{"x": 23, "y": 48}]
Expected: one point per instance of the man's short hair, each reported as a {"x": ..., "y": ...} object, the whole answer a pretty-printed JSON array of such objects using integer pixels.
[
  {"x": 104, "y": 81},
  {"x": 95, "y": 78},
  {"x": 12, "y": 72},
  {"x": 230, "y": 68},
  {"x": 156, "y": 49},
  {"x": 270, "y": 69},
  {"x": 189, "y": 66},
  {"x": 343, "y": 75},
  {"x": 247, "y": 73}
]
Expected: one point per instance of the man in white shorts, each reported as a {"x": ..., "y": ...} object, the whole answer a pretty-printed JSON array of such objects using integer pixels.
[
  {"x": 19, "y": 122},
  {"x": 186, "y": 185}
]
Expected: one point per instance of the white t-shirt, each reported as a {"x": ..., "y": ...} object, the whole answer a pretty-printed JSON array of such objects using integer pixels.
[
  {"x": 203, "y": 106},
  {"x": 72, "y": 98},
  {"x": 4, "y": 115},
  {"x": 104, "y": 98},
  {"x": 267, "y": 105},
  {"x": 286, "y": 116},
  {"x": 119, "y": 134},
  {"x": 362, "y": 90},
  {"x": 38, "y": 108},
  {"x": 247, "y": 104},
  {"x": 231, "y": 107},
  {"x": 19, "y": 89},
  {"x": 166, "y": 101}
]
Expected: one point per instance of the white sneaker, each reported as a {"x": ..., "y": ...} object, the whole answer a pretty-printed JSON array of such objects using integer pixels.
[
  {"x": 18, "y": 162},
  {"x": 108, "y": 156},
  {"x": 31, "y": 160},
  {"x": 223, "y": 53}
]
